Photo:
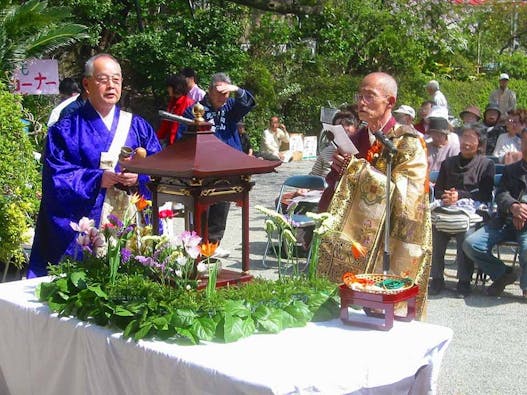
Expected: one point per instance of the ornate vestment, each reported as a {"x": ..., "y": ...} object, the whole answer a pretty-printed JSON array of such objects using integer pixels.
[
  {"x": 71, "y": 179},
  {"x": 358, "y": 205}
]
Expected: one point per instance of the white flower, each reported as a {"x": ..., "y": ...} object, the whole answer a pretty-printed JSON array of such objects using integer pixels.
[{"x": 202, "y": 267}]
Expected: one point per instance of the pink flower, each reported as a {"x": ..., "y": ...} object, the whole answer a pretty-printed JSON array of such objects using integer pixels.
[{"x": 83, "y": 226}]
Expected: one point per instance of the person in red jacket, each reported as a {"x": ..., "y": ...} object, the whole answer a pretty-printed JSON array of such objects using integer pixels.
[{"x": 179, "y": 101}]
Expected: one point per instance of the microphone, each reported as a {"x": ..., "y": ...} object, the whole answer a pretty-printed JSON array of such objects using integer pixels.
[{"x": 381, "y": 137}]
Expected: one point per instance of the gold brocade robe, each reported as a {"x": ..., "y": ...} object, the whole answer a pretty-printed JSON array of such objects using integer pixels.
[{"x": 358, "y": 206}]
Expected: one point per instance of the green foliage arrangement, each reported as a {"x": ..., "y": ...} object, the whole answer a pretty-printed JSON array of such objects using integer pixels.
[
  {"x": 143, "y": 308},
  {"x": 19, "y": 179},
  {"x": 147, "y": 286}
]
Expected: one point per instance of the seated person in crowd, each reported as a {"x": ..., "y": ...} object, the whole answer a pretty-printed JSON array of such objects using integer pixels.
[
  {"x": 442, "y": 112},
  {"x": 177, "y": 89},
  {"x": 507, "y": 225},
  {"x": 508, "y": 146},
  {"x": 404, "y": 115},
  {"x": 244, "y": 138},
  {"x": 470, "y": 115},
  {"x": 350, "y": 123},
  {"x": 439, "y": 148},
  {"x": 424, "y": 110},
  {"x": 466, "y": 181},
  {"x": 272, "y": 139},
  {"x": 491, "y": 116}
]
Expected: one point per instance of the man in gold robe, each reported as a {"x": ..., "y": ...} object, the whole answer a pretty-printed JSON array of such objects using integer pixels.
[{"x": 356, "y": 196}]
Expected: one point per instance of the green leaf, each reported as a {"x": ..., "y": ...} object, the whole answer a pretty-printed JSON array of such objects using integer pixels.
[
  {"x": 262, "y": 312},
  {"x": 232, "y": 328},
  {"x": 183, "y": 318},
  {"x": 204, "y": 328},
  {"x": 78, "y": 279},
  {"x": 122, "y": 312},
  {"x": 329, "y": 310},
  {"x": 96, "y": 288},
  {"x": 188, "y": 334},
  {"x": 143, "y": 331},
  {"x": 56, "y": 306},
  {"x": 160, "y": 323},
  {"x": 131, "y": 328},
  {"x": 236, "y": 308},
  {"x": 300, "y": 311},
  {"x": 273, "y": 323},
  {"x": 44, "y": 290}
]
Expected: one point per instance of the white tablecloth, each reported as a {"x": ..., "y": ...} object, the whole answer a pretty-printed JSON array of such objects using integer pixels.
[{"x": 42, "y": 354}]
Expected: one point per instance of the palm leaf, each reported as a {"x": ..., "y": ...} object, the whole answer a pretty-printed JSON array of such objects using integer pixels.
[{"x": 48, "y": 41}]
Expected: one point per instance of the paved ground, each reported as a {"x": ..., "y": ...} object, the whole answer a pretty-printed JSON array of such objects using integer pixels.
[{"x": 488, "y": 354}]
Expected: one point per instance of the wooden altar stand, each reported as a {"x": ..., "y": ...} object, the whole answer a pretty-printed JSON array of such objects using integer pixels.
[{"x": 198, "y": 171}]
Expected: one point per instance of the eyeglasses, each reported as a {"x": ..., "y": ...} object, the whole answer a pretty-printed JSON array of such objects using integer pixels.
[
  {"x": 103, "y": 79},
  {"x": 368, "y": 98},
  {"x": 513, "y": 121}
]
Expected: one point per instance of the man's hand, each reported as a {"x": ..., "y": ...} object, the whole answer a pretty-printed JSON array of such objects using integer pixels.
[
  {"x": 340, "y": 161},
  {"x": 128, "y": 179},
  {"x": 109, "y": 179},
  {"x": 227, "y": 88},
  {"x": 519, "y": 215}
]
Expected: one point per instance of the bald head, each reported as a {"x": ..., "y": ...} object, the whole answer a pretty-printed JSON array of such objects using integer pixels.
[
  {"x": 382, "y": 81},
  {"x": 376, "y": 99}
]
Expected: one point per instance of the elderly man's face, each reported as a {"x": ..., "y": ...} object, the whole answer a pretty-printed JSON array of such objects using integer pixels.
[
  {"x": 104, "y": 86},
  {"x": 504, "y": 83},
  {"x": 217, "y": 98},
  {"x": 372, "y": 101}
]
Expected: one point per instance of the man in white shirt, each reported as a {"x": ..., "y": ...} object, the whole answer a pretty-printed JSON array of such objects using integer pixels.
[
  {"x": 435, "y": 94},
  {"x": 194, "y": 91},
  {"x": 272, "y": 139},
  {"x": 503, "y": 97},
  {"x": 69, "y": 90}
]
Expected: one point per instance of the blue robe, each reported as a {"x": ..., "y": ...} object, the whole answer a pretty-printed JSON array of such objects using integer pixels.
[
  {"x": 71, "y": 180},
  {"x": 224, "y": 118}
]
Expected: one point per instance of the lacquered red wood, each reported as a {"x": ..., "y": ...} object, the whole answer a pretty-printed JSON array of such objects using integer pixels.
[{"x": 370, "y": 301}]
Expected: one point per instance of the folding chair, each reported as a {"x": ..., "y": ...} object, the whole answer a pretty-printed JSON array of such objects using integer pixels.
[{"x": 298, "y": 220}]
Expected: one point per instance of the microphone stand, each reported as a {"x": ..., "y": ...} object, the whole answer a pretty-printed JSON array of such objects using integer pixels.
[{"x": 386, "y": 255}]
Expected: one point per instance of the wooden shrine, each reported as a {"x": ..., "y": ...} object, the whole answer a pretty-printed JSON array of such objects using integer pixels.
[{"x": 198, "y": 171}]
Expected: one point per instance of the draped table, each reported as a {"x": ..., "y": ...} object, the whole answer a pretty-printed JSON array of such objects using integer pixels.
[{"x": 41, "y": 353}]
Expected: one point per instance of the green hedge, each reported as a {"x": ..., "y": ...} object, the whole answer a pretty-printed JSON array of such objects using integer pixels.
[{"x": 19, "y": 178}]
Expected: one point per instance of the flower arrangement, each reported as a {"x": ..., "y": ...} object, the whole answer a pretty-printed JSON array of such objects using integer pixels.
[
  {"x": 282, "y": 225},
  {"x": 146, "y": 286}
]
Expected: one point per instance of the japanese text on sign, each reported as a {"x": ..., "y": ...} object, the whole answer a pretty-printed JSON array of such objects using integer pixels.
[{"x": 37, "y": 77}]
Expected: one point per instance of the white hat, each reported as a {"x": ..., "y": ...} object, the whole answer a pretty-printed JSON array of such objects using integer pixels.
[
  {"x": 504, "y": 76},
  {"x": 404, "y": 109},
  {"x": 433, "y": 84},
  {"x": 438, "y": 112}
]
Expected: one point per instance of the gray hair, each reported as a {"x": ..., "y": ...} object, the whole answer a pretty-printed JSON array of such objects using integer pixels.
[
  {"x": 88, "y": 66},
  {"x": 219, "y": 77}
]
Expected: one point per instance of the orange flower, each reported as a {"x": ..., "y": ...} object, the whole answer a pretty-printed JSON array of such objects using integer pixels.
[
  {"x": 208, "y": 249},
  {"x": 358, "y": 250},
  {"x": 142, "y": 203}
]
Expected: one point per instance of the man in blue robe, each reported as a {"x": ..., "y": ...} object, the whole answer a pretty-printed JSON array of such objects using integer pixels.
[
  {"x": 73, "y": 183},
  {"x": 224, "y": 112}
]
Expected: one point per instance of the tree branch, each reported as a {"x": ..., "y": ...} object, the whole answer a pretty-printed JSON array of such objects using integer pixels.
[{"x": 282, "y": 6}]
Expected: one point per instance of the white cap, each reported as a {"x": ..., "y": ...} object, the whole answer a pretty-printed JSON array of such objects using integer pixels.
[
  {"x": 504, "y": 76},
  {"x": 438, "y": 112},
  {"x": 404, "y": 109},
  {"x": 433, "y": 84}
]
